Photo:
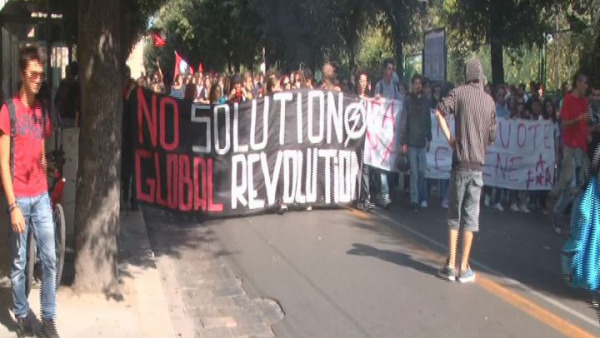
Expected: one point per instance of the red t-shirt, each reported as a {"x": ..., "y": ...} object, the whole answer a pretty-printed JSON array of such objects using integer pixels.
[
  {"x": 572, "y": 108},
  {"x": 29, "y": 176}
]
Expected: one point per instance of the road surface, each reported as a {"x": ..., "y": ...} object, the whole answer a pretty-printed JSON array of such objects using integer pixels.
[{"x": 345, "y": 273}]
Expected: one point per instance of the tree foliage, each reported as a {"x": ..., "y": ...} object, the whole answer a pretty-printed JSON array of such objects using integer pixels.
[
  {"x": 561, "y": 30},
  {"x": 584, "y": 18},
  {"x": 292, "y": 32},
  {"x": 500, "y": 23},
  {"x": 220, "y": 34},
  {"x": 374, "y": 47},
  {"x": 134, "y": 15}
]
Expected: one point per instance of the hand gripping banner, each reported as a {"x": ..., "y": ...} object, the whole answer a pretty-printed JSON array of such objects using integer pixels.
[{"x": 301, "y": 148}]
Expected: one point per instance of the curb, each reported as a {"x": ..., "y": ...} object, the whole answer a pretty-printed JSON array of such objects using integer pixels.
[{"x": 137, "y": 259}]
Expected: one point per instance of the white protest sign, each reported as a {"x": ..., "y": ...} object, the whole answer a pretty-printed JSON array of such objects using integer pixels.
[
  {"x": 522, "y": 158},
  {"x": 383, "y": 119},
  {"x": 439, "y": 157}
]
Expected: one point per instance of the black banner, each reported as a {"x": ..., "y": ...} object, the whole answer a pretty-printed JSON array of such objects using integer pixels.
[{"x": 301, "y": 148}]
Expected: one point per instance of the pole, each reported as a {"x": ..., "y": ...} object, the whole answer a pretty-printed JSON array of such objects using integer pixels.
[
  {"x": 50, "y": 77},
  {"x": 544, "y": 62}
]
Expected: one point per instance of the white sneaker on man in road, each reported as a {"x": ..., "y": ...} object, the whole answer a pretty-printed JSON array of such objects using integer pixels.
[
  {"x": 514, "y": 207},
  {"x": 524, "y": 209},
  {"x": 498, "y": 206},
  {"x": 424, "y": 204}
]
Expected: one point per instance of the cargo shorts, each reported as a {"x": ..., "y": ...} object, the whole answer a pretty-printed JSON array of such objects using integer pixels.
[{"x": 464, "y": 199}]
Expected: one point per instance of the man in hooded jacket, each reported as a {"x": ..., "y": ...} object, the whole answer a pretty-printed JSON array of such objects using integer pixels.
[{"x": 475, "y": 128}]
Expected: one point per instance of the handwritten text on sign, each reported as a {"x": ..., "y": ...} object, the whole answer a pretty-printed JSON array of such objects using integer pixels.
[
  {"x": 383, "y": 119},
  {"x": 522, "y": 158}
]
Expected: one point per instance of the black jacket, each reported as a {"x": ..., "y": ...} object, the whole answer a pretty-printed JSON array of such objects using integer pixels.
[{"x": 415, "y": 122}]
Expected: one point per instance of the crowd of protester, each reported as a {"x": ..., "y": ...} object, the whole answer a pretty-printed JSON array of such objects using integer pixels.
[
  {"x": 574, "y": 113},
  {"x": 512, "y": 102}
]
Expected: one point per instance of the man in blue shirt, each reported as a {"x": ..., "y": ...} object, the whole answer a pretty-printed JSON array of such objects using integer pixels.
[{"x": 501, "y": 106}]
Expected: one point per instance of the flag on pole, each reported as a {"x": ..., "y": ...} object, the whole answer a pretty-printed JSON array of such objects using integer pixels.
[
  {"x": 181, "y": 66},
  {"x": 158, "y": 39}
]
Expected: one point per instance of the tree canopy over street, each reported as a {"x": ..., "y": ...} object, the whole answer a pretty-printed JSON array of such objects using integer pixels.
[{"x": 309, "y": 32}]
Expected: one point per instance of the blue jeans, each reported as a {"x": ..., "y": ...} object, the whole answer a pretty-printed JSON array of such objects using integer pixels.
[
  {"x": 417, "y": 158},
  {"x": 38, "y": 218},
  {"x": 574, "y": 173},
  {"x": 444, "y": 189},
  {"x": 380, "y": 181},
  {"x": 365, "y": 184},
  {"x": 384, "y": 187}
]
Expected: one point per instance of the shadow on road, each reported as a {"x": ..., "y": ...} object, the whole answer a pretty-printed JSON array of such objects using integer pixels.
[
  {"x": 392, "y": 257},
  {"x": 185, "y": 232},
  {"x": 522, "y": 247},
  {"x": 6, "y": 303},
  {"x": 6, "y": 300}
]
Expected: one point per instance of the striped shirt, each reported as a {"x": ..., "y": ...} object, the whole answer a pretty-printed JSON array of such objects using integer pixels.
[{"x": 475, "y": 124}]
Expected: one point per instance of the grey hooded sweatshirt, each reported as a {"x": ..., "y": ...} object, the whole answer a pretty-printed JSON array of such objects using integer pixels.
[{"x": 475, "y": 119}]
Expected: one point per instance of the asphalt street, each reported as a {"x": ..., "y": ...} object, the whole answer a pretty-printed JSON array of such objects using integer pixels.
[{"x": 346, "y": 273}]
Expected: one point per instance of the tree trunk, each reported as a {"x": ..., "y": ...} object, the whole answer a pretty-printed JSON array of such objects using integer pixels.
[
  {"x": 399, "y": 53},
  {"x": 126, "y": 32},
  {"x": 497, "y": 56},
  {"x": 352, "y": 60},
  {"x": 398, "y": 40},
  {"x": 352, "y": 39},
  {"x": 98, "y": 183},
  {"x": 497, "y": 61}
]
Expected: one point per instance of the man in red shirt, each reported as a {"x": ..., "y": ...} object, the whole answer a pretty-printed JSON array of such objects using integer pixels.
[
  {"x": 575, "y": 163},
  {"x": 23, "y": 127},
  {"x": 575, "y": 115}
]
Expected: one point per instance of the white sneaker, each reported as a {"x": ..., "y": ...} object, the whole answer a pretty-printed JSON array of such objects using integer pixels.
[
  {"x": 486, "y": 200},
  {"x": 445, "y": 204},
  {"x": 514, "y": 207},
  {"x": 524, "y": 209},
  {"x": 498, "y": 207},
  {"x": 283, "y": 208},
  {"x": 424, "y": 204}
]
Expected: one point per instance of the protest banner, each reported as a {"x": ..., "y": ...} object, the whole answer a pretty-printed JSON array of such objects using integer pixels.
[
  {"x": 299, "y": 148},
  {"x": 383, "y": 119},
  {"x": 521, "y": 158},
  {"x": 439, "y": 157}
]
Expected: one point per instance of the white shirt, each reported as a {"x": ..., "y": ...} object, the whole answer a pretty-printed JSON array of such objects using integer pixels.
[{"x": 388, "y": 90}]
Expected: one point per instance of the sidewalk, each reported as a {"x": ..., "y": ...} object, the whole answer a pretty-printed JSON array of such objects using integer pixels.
[
  {"x": 142, "y": 311},
  {"x": 207, "y": 298}
]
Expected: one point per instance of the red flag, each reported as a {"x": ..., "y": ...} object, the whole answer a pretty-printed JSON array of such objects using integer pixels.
[
  {"x": 181, "y": 66},
  {"x": 158, "y": 40}
]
